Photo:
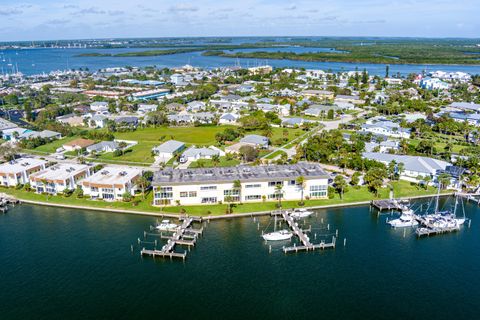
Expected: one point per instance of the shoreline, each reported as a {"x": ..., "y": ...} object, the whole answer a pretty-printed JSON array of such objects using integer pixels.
[{"x": 211, "y": 217}]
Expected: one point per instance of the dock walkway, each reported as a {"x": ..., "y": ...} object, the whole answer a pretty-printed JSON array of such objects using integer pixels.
[
  {"x": 184, "y": 235},
  {"x": 302, "y": 236}
]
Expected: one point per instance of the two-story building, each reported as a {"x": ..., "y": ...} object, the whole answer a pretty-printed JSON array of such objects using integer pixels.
[
  {"x": 59, "y": 178},
  {"x": 18, "y": 171},
  {"x": 239, "y": 184},
  {"x": 111, "y": 183}
]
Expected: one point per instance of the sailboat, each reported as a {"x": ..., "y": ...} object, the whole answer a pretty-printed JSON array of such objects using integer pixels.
[{"x": 280, "y": 235}]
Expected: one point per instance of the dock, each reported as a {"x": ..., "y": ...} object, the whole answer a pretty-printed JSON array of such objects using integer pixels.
[
  {"x": 422, "y": 232},
  {"x": 6, "y": 201},
  {"x": 184, "y": 235},
  {"x": 390, "y": 204},
  {"x": 302, "y": 236}
]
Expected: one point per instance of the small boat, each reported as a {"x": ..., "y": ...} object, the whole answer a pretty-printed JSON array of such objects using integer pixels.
[
  {"x": 278, "y": 235},
  {"x": 301, "y": 213},
  {"x": 166, "y": 226}
]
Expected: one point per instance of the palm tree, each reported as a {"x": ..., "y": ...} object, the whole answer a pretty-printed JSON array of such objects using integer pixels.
[
  {"x": 301, "y": 184},
  {"x": 237, "y": 185},
  {"x": 144, "y": 184},
  {"x": 400, "y": 169},
  {"x": 279, "y": 193},
  {"x": 216, "y": 159},
  {"x": 229, "y": 200},
  {"x": 444, "y": 180}
]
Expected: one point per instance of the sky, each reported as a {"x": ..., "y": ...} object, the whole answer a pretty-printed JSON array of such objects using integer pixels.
[{"x": 87, "y": 19}]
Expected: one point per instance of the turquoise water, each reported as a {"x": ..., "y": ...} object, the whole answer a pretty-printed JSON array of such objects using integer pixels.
[
  {"x": 71, "y": 264},
  {"x": 37, "y": 61}
]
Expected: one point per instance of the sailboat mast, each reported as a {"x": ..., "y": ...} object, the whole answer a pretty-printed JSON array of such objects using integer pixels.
[{"x": 438, "y": 197}]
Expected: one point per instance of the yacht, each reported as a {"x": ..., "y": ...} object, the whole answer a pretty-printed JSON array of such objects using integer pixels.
[
  {"x": 407, "y": 219},
  {"x": 166, "y": 226},
  {"x": 300, "y": 213},
  {"x": 278, "y": 235}
]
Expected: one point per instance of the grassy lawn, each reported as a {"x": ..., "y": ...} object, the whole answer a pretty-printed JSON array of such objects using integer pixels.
[
  {"x": 189, "y": 135},
  {"x": 53, "y": 146},
  {"x": 142, "y": 152},
  {"x": 440, "y": 146},
  {"x": 401, "y": 189},
  {"x": 207, "y": 163},
  {"x": 275, "y": 154},
  {"x": 277, "y": 133}
]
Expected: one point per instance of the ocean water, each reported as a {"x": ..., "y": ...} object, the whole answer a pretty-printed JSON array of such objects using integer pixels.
[
  {"x": 72, "y": 264},
  {"x": 37, "y": 61}
]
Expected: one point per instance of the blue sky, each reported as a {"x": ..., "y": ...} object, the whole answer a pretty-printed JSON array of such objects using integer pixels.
[{"x": 69, "y": 19}]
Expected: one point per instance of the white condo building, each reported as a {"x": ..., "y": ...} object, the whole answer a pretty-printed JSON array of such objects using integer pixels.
[
  {"x": 111, "y": 183},
  {"x": 18, "y": 171},
  {"x": 58, "y": 178},
  {"x": 215, "y": 185}
]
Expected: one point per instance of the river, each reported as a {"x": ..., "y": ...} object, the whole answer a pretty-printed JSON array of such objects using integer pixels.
[
  {"x": 37, "y": 61},
  {"x": 73, "y": 264}
]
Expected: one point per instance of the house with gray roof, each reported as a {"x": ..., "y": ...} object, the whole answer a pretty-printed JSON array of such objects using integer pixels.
[
  {"x": 256, "y": 141},
  {"x": 414, "y": 166},
  {"x": 168, "y": 149},
  {"x": 194, "y": 153},
  {"x": 103, "y": 146},
  {"x": 386, "y": 128}
]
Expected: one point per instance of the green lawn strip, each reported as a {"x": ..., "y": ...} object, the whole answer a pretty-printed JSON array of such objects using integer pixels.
[
  {"x": 401, "y": 189},
  {"x": 275, "y": 154},
  {"x": 208, "y": 163}
]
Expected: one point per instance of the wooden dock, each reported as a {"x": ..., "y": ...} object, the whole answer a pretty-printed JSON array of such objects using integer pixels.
[
  {"x": 302, "y": 236},
  {"x": 390, "y": 204},
  {"x": 184, "y": 235},
  {"x": 422, "y": 232}
]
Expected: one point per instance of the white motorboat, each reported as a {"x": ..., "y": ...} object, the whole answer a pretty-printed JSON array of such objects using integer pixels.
[
  {"x": 405, "y": 220},
  {"x": 278, "y": 235},
  {"x": 301, "y": 213},
  {"x": 166, "y": 226}
]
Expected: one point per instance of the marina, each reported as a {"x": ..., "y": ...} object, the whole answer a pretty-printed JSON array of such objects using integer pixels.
[{"x": 95, "y": 246}]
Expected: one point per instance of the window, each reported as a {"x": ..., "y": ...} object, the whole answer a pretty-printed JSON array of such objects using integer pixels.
[
  {"x": 107, "y": 190},
  {"x": 232, "y": 192},
  {"x": 209, "y": 200},
  {"x": 274, "y": 183},
  {"x": 250, "y": 186},
  {"x": 163, "y": 195},
  {"x": 165, "y": 189},
  {"x": 273, "y": 196},
  {"x": 253, "y": 197},
  {"x": 292, "y": 182},
  {"x": 188, "y": 194},
  {"x": 94, "y": 189},
  {"x": 318, "y": 191},
  {"x": 318, "y": 188},
  {"x": 206, "y": 188}
]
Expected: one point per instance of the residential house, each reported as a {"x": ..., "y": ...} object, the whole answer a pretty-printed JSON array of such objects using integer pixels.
[
  {"x": 99, "y": 106},
  {"x": 168, "y": 149},
  {"x": 103, "y": 146},
  {"x": 77, "y": 144},
  {"x": 414, "y": 166},
  {"x": 194, "y": 153},
  {"x": 256, "y": 141},
  {"x": 386, "y": 128},
  {"x": 228, "y": 118}
]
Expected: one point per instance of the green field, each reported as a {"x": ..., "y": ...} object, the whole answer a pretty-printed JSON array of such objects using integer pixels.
[
  {"x": 401, "y": 189},
  {"x": 53, "y": 146},
  {"x": 142, "y": 152},
  {"x": 190, "y": 135}
]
